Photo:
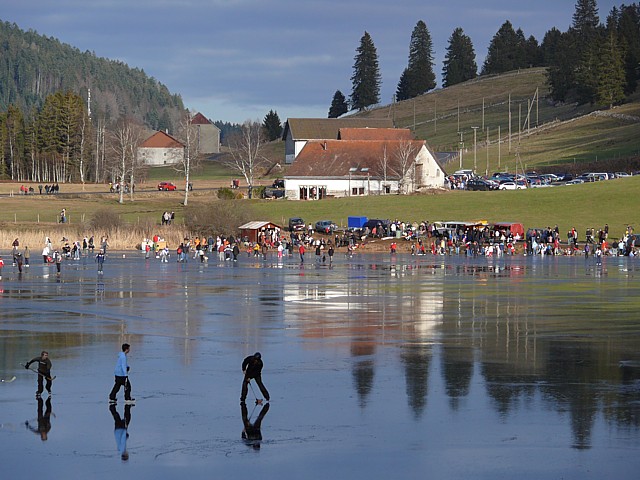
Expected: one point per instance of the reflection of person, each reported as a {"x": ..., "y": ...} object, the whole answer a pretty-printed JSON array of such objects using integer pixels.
[
  {"x": 251, "y": 433},
  {"x": 120, "y": 431},
  {"x": 44, "y": 420},
  {"x": 44, "y": 371},
  {"x": 122, "y": 377},
  {"x": 252, "y": 369}
]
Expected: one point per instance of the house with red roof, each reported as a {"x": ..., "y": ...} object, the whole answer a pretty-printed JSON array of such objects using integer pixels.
[
  {"x": 208, "y": 135},
  {"x": 161, "y": 149},
  {"x": 343, "y": 168},
  {"x": 298, "y": 131}
]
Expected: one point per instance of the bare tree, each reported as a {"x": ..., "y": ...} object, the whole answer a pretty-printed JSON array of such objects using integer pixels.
[
  {"x": 245, "y": 149},
  {"x": 124, "y": 142},
  {"x": 383, "y": 166},
  {"x": 188, "y": 135},
  {"x": 404, "y": 167}
]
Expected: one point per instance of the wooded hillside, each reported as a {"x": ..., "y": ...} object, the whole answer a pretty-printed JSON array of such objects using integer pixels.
[{"x": 33, "y": 66}]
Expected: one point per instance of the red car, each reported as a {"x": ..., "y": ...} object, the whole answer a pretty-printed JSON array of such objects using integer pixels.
[{"x": 166, "y": 186}]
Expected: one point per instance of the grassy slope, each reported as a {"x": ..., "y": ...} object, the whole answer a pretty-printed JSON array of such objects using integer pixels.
[{"x": 587, "y": 139}]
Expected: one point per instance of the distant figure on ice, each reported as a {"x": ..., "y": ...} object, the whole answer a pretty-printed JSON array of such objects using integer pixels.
[
  {"x": 252, "y": 369},
  {"x": 251, "y": 433},
  {"x": 44, "y": 420},
  {"x": 121, "y": 427},
  {"x": 44, "y": 371},
  {"x": 100, "y": 260},
  {"x": 122, "y": 377}
]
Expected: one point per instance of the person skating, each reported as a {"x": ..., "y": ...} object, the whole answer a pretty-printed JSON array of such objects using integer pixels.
[
  {"x": 122, "y": 377},
  {"x": 100, "y": 260},
  {"x": 44, "y": 372},
  {"x": 252, "y": 369}
]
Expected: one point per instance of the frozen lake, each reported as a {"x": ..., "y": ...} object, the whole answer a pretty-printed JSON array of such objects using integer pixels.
[{"x": 378, "y": 367}]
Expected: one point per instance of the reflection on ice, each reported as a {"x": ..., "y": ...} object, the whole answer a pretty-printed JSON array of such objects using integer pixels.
[{"x": 404, "y": 361}]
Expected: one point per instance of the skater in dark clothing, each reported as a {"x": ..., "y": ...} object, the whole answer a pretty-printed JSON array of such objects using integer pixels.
[
  {"x": 44, "y": 420},
  {"x": 100, "y": 259},
  {"x": 121, "y": 427},
  {"x": 252, "y": 369},
  {"x": 251, "y": 433},
  {"x": 122, "y": 377},
  {"x": 44, "y": 371}
]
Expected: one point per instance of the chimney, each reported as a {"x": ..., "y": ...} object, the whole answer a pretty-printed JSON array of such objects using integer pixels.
[{"x": 324, "y": 145}]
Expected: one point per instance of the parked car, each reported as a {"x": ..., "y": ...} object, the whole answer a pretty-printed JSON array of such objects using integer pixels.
[
  {"x": 296, "y": 224},
  {"x": 509, "y": 185},
  {"x": 325, "y": 226},
  {"x": 273, "y": 193},
  {"x": 479, "y": 184},
  {"x": 575, "y": 181},
  {"x": 166, "y": 186}
]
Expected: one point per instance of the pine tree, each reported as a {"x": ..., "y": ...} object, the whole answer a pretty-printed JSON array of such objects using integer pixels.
[
  {"x": 366, "y": 75},
  {"x": 339, "y": 105},
  {"x": 610, "y": 76},
  {"x": 506, "y": 51},
  {"x": 272, "y": 126},
  {"x": 418, "y": 78},
  {"x": 628, "y": 28},
  {"x": 585, "y": 18},
  {"x": 460, "y": 60}
]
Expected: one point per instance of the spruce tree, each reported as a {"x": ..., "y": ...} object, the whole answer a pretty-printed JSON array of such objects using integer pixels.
[
  {"x": 506, "y": 51},
  {"x": 366, "y": 75},
  {"x": 460, "y": 60},
  {"x": 610, "y": 75},
  {"x": 339, "y": 105},
  {"x": 628, "y": 29},
  {"x": 418, "y": 78},
  {"x": 272, "y": 126}
]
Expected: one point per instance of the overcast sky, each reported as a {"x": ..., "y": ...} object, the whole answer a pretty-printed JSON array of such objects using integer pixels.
[{"x": 235, "y": 60}]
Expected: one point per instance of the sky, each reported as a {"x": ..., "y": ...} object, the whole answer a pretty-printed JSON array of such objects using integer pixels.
[{"x": 235, "y": 60}]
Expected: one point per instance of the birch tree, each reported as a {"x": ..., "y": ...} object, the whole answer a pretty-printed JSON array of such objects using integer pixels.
[
  {"x": 188, "y": 135},
  {"x": 404, "y": 164},
  {"x": 124, "y": 142},
  {"x": 245, "y": 149}
]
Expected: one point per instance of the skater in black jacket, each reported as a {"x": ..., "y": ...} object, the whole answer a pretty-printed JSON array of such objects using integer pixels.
[
  {"x": 44, "y": 371},
  {"x": 252, "y": 369}
]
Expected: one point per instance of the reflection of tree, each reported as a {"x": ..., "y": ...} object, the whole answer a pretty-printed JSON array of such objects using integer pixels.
[
  {"x": 506, "y": 386},
  {"x": 416, "y": 360},
  {"x": 457, "y": 370},
  {"x": 571, "y": 374},
  {"x": 363, "y": 371}
]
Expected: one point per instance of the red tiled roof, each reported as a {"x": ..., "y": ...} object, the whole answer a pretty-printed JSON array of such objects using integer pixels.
[
  {"x": 161, "y": 140},
  {"x": 375, "y": 134},
  {"x": 335, "y": 158},
  {"x": 328, "y": 128},
  {"x": 199, "y": 119}
]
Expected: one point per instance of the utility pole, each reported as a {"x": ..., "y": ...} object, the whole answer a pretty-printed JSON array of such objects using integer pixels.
[
  {"x": 475, "y": 149},
  {"x": 461, "y": 147},
  {"x": 487, "y": 147}
]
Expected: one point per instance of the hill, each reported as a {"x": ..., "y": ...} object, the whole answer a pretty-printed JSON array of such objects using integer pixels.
[
  {"x": 551, "y": 136},
  {"x": 33, "y": 66}
]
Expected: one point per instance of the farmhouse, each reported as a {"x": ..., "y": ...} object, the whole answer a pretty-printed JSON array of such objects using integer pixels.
[
  {"x": 208, "y": 135},
  {"x": 340, "y": 168},
  {"x": 298, "y": 131},
  {"x": 160, "y": 149}
]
